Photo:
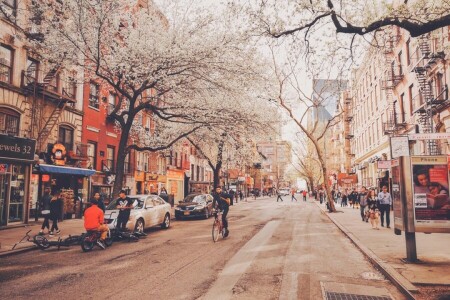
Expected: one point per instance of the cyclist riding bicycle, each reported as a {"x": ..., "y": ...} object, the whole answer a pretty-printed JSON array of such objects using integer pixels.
[
  {"x": 94, "y": 220},
  {"x": 222, "y": 201}
]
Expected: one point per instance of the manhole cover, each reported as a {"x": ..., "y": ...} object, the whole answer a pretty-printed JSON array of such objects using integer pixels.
[
  {"x": 344, "y": 296},
  {"x": 349, "y": 291}
]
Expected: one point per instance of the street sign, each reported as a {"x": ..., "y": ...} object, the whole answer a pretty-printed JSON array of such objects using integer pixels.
[
  {"x": 16, "y": 148},
  {"x": 429, "y": 136}
]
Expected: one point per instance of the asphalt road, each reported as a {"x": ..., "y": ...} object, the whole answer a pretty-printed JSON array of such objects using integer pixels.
[{"x": 275, "y": 251}]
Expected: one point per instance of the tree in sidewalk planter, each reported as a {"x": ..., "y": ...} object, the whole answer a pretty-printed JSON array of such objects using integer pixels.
[{"x": 168, "y": 67}]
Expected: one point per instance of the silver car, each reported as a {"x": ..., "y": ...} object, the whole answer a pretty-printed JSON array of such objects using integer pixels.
[{"x": 148, "y": 211}]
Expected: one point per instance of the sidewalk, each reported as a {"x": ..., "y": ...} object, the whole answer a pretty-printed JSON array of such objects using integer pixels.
[
  {"x": 11, "y": 236},
  {"x": 388, "y": 250}
]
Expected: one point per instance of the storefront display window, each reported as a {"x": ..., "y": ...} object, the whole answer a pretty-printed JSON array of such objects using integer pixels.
[{"x": 17, "y": 192}]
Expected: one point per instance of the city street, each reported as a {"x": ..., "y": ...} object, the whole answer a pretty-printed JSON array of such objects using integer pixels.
[{"x": 276, "y": 250}]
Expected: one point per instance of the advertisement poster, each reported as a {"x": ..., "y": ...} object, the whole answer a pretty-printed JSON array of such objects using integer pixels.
[
  {"x": 431, "y": 190},
  {"x": 396, "y": 197}
]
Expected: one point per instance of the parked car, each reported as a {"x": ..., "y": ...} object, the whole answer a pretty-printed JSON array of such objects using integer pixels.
[
  {"x": 148, "y": 211},
  {"x": 285, "y": 192},
  {"x": 194, "y": 206}
]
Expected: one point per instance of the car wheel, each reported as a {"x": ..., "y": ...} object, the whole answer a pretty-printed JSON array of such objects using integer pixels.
[
  {"x": 166, "y": 222},
  {"x": 139, "y": 225}
]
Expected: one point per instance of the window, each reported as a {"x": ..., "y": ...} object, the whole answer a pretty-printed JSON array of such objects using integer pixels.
[
  {"x": 70, "y": 87},
  {"x": 6, "y": 64},
  {"x": 93, "y": 95},
  {"x": 146, "y": 160},
  {"x": 92, "y": 154},
  {"x": 400, "y": 70},
  {"x": 111, "y": 103},
  {"x": 402, "y": 108},
  {"x": 410, "y": 96},
  {"x": 54, "y": 83},
  {"x": 65, "y": 137},
  {"x": 408, "y": 52},
  {"x": 126, "y": 164},
  {"x": 110, "y": 159},
  {"x": 9, "y": 121},
  {"x": 32, "y": 71}
]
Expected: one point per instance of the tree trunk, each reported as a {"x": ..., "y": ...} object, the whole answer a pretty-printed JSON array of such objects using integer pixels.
[
  {"x": 216, "y": 172},
  {"x": 331, "y": 207},
  {"x": 121, "y": 155}
]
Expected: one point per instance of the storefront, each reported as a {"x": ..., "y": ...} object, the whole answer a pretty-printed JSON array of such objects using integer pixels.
[
  {"x": 16, "y": 158},
  {"x": 175, "y": 184},
  {"x": 139, "y": 179},
  {"x": 151, "y": 183},
  {"x": 73, "y": 183},
  {"x": 102, "y": 184}
]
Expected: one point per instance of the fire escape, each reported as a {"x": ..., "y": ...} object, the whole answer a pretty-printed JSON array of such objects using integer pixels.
[
  {"x": 348, "y": 132},
  {"x": 44, "y": 97},
  {"x": 393, "y": 75},
  {"x": 428, "y": 104}
]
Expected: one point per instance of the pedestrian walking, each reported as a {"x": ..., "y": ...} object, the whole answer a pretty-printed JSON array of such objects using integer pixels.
[
  {"x": 241, "y": 195},
  {"x": 321, "y": 196},
  {"x": 304, "y": 193},
  {"x": 279, "y": 195},
  {"x": 374, "y": 211},
  {"x": 352, "y": 198},
  {"x": 293, "y": 195},
  {"x": 385, "y": 202},
  {"x": 344, "y": 199},
  {"x": 362, "y": 199},
  {"x": 55, "y": 212},
  {"x": 45, "y": 209}
]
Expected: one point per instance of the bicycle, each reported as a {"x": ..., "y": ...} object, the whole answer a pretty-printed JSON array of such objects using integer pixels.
[
  {"x": 43, "y": 243},
  {"x": 217, "y": 227}
]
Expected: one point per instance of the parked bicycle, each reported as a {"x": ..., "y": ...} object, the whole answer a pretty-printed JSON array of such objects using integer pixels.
[
  {"x": 43, "y": 243},
  {"x": 217, "y": 228}
]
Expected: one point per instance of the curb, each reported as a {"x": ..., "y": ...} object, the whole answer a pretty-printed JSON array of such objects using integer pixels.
[
  {"x": 17, "y": 251},
  {"x": 404, "y": 285}
]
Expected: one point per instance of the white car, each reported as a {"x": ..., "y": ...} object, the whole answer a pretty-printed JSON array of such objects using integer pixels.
[
  {"x": 285, "y": 192},
  {"x": 148, "y": 211}
]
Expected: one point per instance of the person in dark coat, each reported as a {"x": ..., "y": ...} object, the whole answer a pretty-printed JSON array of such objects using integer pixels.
[
  {"x": 99, "y": 200},
  {"x": 55, "y": 212},
  {"x": 45, "y": 209},
  {"x": 221, "y": 201}
]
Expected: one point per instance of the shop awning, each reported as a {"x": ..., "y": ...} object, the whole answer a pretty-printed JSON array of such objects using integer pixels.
[{"x": 50, "y": 169}]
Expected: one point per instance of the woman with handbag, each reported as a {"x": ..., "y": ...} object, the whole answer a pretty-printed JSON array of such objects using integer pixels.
[
  {"x": 374, "y": 211},
  {"x": 45, "y": 209}
]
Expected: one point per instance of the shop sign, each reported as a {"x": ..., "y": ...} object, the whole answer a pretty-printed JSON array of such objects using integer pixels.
[
  {"x": 241, "y": 179},
  {"x": 175, "y": 175},
  {"x": 384, "y": 164},
  {"x": 151, "y": 177},
  {"x": 399, "y": 146},
  {"x": 17, "y": 148},
  {"x": 3, "y": 168},
  {"x": 139, "y": 176},
  {"x": 58, "y": 154},
  {"x": 430, "y": 136}
]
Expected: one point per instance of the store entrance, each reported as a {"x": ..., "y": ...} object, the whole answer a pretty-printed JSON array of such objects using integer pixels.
[{"x": 3, "y": 198}]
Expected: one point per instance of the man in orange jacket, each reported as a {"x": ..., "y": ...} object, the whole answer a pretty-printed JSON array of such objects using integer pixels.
[{"x": 94, "y": 220}]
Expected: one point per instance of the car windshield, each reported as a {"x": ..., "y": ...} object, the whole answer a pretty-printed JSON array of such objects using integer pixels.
[
  {"x": 195, "y": 198},
  {"x": 138, "y": 203}
]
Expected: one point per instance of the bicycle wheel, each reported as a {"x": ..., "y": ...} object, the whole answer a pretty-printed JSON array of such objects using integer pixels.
[
  {"x": 41, "y": 241},
  {"x": 216, "y": 230},
  {"x": 87, "y": 244}
]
